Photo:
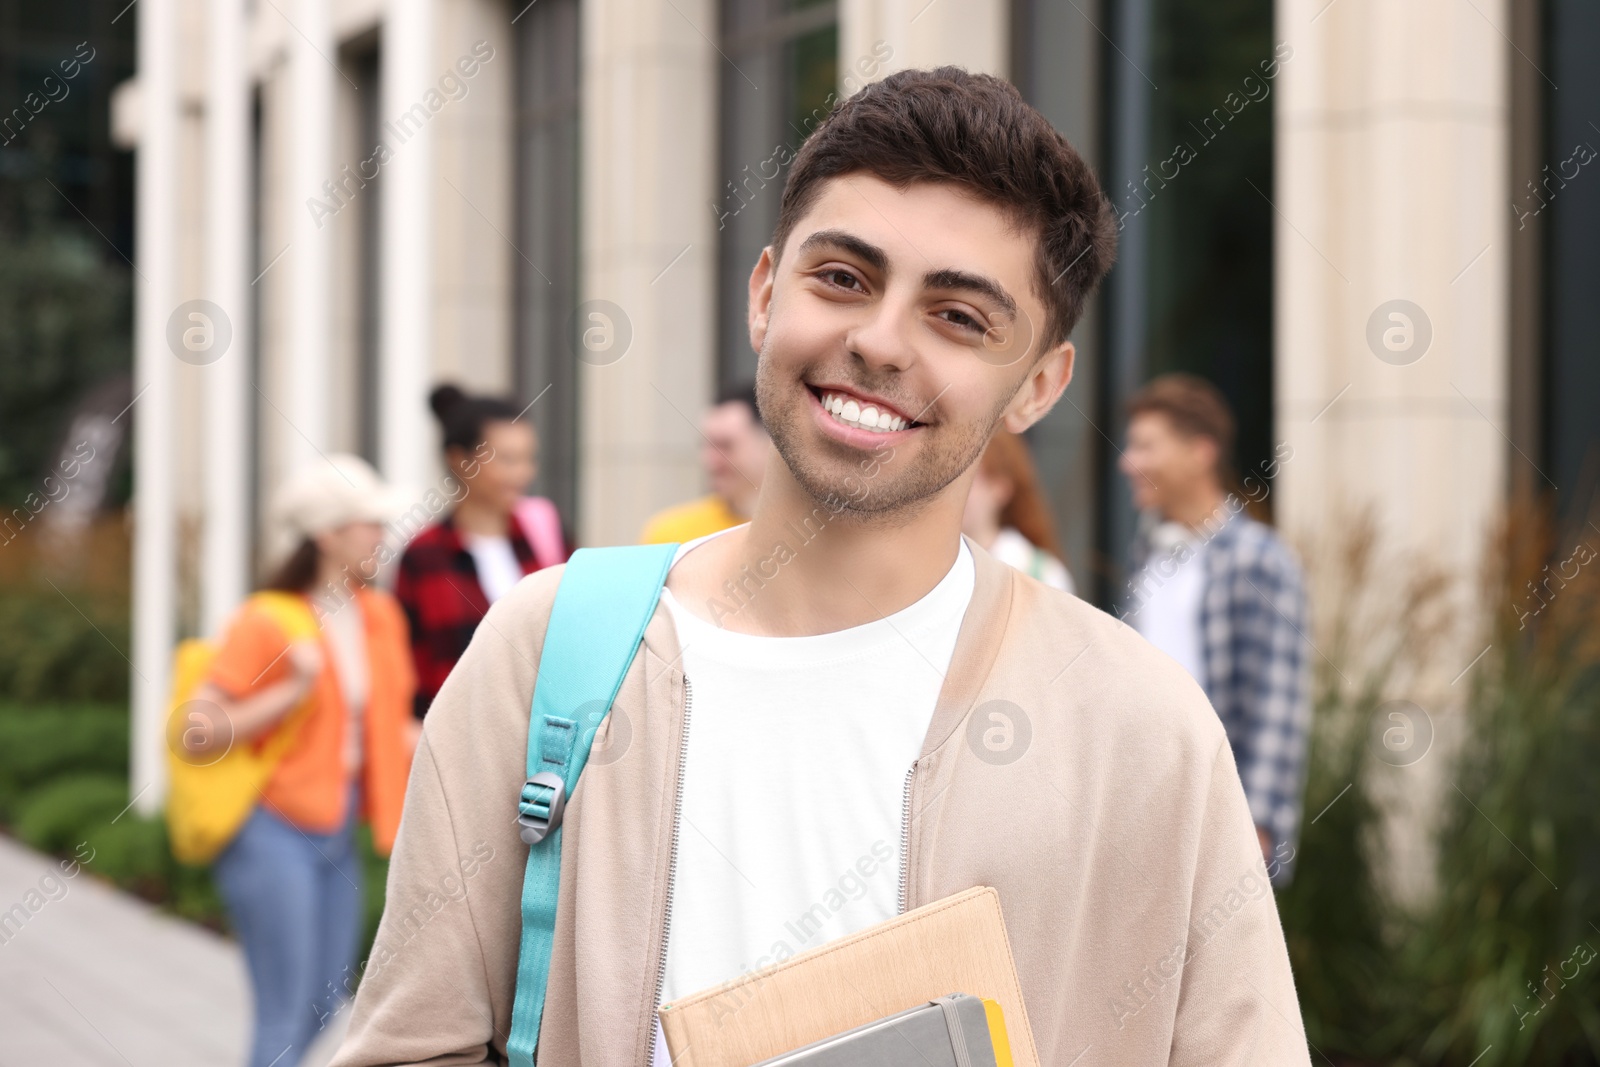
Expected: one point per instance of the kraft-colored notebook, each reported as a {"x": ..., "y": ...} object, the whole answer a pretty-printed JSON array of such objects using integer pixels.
[
  {"x": 958, "y": 943},
  {"x": 953, "y": 1031}
]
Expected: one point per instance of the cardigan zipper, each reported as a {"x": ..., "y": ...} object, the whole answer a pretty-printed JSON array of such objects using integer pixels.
[
  {"x": 905, "y": 840},
  {"x": 672, "y": 848}
]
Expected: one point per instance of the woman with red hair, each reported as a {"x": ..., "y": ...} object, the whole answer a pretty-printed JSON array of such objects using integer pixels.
[{"x": 1007, "y": 513}]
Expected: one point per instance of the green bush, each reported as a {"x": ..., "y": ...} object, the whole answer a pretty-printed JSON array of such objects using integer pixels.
[
  {"x": 1375, "y": 636},
  {"x": 1502, "y": 967},
  {"x": 375, "y": 870},
  {"x": 51, "y": 651},
  {"x": 1499, "y": 965},
  {"x": 67, "y": 810},
  {"x": 132, "y": 852},
  {"x": 38, "y": 743},
  {"x": 1333, "y": 910},
  {"x": 64, "y": 778}
]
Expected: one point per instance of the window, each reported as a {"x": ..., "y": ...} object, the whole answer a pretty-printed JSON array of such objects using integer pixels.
[
  {"x": 776, "y": 86},
  {"x": 1565, "y": 191},
  {"x": 1189, "y": 170},
  {"x": 1055, "y": 63},
  {"x": 547, "y": 228}
]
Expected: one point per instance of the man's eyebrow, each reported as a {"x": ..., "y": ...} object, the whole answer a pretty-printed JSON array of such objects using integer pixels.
[
  {"x": 949, "y": 278},
  {"x": 870, "y": 254}
]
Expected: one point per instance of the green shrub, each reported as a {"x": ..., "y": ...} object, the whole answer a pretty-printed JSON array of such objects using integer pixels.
[
  {"x": 375, "y": 870},
  {"x": 63, "y": 779},
  {"x": 38, "y": 743},
  {"x": 1333, "y": 910},
  {"x": 50, "y": 650},
  {"x": 70, "y": 809},
  {"x": 1375, "y": 637},
  {"x": 132, "y": 852},
  {"x": 192, "y": 894},
  {"x": 1502, "y": 968}
]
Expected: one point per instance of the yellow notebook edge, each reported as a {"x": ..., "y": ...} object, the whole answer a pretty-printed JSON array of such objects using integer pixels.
[
  {"x": 1016, "y": 979},
  {"x": 997, "y": 1033}
]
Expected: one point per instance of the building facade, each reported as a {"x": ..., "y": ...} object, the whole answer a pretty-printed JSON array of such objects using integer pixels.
[{"x": 1362, "y": 220}]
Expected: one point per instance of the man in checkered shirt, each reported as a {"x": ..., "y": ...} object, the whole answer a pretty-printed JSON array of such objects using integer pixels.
[{"x": 1222, "y": 594}]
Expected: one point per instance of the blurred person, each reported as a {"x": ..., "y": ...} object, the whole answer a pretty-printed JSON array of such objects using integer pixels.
[
  {"x": 1223, "y": 595},
  {"x": 892, "y": 701},
  {"x": 734, "y": 452},
  {"x": 291, "y": 878},
  {"x": 1007, "y": 513},
  {"x": 455, "y": 568}
]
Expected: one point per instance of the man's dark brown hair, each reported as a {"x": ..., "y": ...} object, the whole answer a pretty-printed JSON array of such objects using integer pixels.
[
  {"x": 1194, "y": 406},
  {"x": 974, "y": 130}
]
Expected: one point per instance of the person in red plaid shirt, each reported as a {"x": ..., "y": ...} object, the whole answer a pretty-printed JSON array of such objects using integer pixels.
[{"x": 453, "y": 570}]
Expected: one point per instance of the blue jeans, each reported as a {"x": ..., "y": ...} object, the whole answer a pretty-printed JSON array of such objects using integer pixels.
[{"x": 296, "y": 904}]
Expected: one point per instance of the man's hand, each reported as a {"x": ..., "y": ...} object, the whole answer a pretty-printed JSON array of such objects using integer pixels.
[{"x": 1265, "y": 837}]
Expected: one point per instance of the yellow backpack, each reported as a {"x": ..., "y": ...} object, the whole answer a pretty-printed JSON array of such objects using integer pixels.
[{"x": 209, "y": 796}]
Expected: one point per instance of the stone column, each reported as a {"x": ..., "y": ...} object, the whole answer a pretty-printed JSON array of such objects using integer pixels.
[
  {"x": 155, "y": 529},
  {"x": 311, "y": 74},
  {"x": 475, "y": 239},
  {"x": 227, "y": 478},
  {"x": 644, "y": 332},
  {"x": 1391, "y": 260},
  {"x": 924, "y": 33},
  {"x": 405, "y": 252},
  {"x": 1391, "y": 315}
]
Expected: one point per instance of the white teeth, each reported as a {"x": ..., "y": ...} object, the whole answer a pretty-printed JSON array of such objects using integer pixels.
[{"x": 852, "y": 413}]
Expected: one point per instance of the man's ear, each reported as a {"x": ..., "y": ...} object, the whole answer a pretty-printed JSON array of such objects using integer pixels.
[
  {"x": 1040, "y": 390},
  {"x": 760, "y": 299}
]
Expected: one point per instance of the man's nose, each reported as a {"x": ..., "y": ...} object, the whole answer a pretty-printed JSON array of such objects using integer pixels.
[{"x": 883, "y": 341}]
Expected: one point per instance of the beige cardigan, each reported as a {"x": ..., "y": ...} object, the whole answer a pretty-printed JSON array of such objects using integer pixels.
[{"x": 1118, "y": 837}]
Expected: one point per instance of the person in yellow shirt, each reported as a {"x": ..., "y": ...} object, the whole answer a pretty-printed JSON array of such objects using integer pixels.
[{"x": 735, "y": 454}]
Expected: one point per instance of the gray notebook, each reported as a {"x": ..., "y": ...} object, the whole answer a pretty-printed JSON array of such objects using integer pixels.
[{"x": 952, "y": 1031}]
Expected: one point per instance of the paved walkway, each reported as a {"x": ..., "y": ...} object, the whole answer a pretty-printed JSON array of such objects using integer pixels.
[{"x": 97, "y": 977}]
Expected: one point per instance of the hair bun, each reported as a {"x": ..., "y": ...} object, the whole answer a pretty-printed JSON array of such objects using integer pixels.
[{"x": 444, "y": 399}]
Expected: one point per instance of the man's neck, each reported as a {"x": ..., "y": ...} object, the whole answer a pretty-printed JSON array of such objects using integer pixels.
[
  {"x": 740, "y": 504},
  {"x": 1197, "y": 508},
  {"x": 805, "y": 567},
  {"x": 479, "y": 521}
]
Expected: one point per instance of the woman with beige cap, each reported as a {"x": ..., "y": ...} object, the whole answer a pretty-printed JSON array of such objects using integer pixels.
[{"x": 291, "y": 878}]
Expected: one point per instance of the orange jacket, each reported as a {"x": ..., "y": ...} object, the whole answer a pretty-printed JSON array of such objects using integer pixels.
[{"x": 308, "y": 788}]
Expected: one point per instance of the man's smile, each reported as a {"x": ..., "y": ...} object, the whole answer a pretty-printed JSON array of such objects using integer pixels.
[{"x": 859, "y": 419}]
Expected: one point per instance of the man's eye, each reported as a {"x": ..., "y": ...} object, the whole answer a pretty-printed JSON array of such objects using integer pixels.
[
  {"x": 842, "y": 278},
  {"x": 962, "y": 320}
]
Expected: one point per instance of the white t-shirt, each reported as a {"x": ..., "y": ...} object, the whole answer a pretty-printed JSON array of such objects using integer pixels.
[
  {"x": 345, "y": 629},
  {"x": 496, "y": 563},
  {"x": 798, "y": 749},
  {"x": 1170, "y": 589}
]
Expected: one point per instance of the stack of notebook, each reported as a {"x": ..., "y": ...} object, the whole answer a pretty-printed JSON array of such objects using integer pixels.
[
  {"x": 953, "y": 1031},
  {"x": 881, "y": 995}
]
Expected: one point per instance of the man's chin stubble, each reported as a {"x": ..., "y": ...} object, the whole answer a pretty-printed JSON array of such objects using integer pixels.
[{"x": 870, "y": 491}]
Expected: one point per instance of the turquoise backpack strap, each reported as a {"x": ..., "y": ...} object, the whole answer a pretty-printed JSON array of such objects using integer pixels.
[{"x": 606, "y": 598}]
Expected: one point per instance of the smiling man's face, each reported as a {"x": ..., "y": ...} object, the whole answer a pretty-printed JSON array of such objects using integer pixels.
[{"x": 899, "y": 326}]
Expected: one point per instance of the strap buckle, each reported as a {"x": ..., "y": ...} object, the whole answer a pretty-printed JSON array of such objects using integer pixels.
[{"x": 538, "y": 812}]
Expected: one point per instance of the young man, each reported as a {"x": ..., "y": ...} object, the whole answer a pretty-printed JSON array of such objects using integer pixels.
[
  {"x": 843, "y": 709},
  {"x": 1223, "y": 595},
  {"x": 735, "y": 451}
]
